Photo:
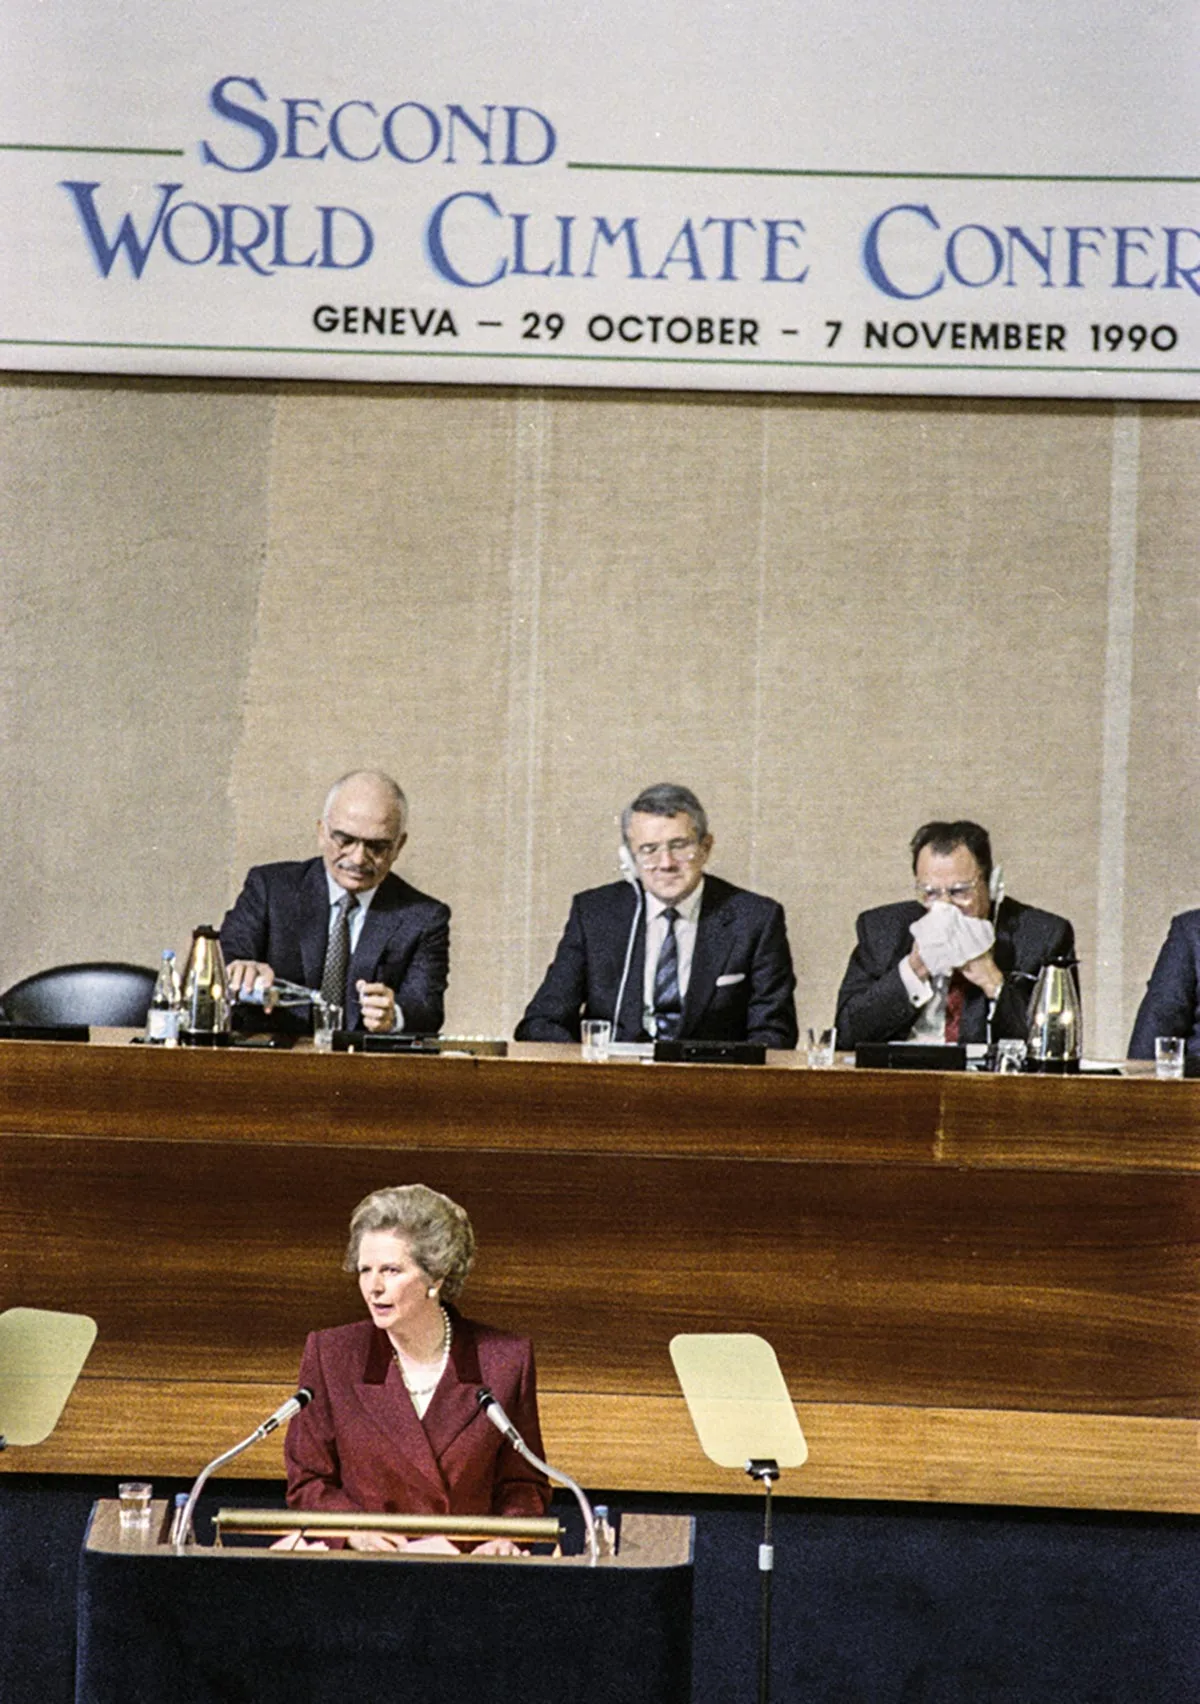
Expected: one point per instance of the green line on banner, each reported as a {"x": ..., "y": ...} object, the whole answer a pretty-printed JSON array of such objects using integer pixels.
[
  {"x": 635, "y": 360},
  {"x": 901, "y": 177},
  {"x": 82, "y": 148}
]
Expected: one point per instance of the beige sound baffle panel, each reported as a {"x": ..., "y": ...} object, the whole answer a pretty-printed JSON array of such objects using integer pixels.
[{"x": 832, "y": 618}]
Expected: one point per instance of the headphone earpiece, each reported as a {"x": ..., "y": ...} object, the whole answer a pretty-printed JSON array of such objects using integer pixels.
[{"x": 996, "y": 887}]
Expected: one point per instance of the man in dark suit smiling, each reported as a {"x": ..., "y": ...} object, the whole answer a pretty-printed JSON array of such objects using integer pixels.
[
  {"x": 342, "y": 923},
  {"x": 685, "y": 953}
]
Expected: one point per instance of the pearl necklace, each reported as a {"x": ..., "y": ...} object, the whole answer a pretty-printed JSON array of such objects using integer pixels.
[{"x": 428, "y": 1389}]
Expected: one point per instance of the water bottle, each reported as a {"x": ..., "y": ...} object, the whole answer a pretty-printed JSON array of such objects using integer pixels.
[
  {"x": 181, "y": 1498},
  {"x": 166, "y": 1003},
  {"x": 606, "y": 1538},
  {"x": 279, "y": 993}
]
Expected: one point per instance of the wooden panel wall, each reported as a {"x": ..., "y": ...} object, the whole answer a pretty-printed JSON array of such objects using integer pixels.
[{"x": 978, "y": 1288}]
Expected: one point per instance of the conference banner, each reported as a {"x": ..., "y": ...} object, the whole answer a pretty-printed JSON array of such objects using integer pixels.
[{"x": 792, "y": 197}]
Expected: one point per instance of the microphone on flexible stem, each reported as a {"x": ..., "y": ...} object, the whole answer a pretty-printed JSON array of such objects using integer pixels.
[
  {"x": 181, "y": 1531},
  {"x": 281, "y": 1416},
  {"x": 507, "y": 1430},
  {"x": 996, "y": 897},
  {"x": 629, "y": 872}
]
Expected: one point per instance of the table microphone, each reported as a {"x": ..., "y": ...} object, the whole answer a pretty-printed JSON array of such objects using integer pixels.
[
  {"x": 181, "y": 1530},
  {"x": 996, "y": 899},
  {"x": 628, "y": 865}
]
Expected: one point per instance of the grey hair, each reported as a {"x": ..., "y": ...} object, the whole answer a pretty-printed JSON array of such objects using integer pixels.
[
  {"x": 436, "y": 1229},
  {"x": 385, "y": 781},
  {"x": 665, "y": 799}
]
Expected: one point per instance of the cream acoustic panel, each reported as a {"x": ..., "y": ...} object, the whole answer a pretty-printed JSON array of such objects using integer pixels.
[{"x": 833, "y": 619}]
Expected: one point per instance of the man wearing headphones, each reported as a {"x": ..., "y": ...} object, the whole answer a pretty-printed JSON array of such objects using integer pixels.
[
  {"x": 672, "y": 952},
  {"x": 988, "y": 950}
]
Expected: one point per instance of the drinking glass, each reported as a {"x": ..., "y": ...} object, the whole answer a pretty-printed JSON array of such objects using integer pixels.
[
  {"x": 135, "y": 1495},
  {"x": 596, "y": 1034},
  {"x": 1168, "y": 1055},
  {"x": 822, "y": 1044},
  {"x": 327, "y": 1017}
]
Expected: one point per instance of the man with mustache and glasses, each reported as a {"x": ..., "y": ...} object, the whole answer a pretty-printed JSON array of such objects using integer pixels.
[
  {"x": 690, "y": 955},
  {"x": 342, "y": 922}
]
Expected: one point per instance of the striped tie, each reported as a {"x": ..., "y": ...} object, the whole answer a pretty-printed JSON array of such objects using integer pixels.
[
  {"x": 337, "y": 954},
  {"x": 668, "y": 1004}
]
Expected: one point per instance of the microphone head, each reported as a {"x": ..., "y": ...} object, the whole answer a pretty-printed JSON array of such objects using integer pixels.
[
  {"x": 495, "y": 1413},
  {"x": 303, "y": 1396}
]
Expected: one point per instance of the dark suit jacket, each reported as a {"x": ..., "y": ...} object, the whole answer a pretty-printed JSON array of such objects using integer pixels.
[
  {"x": 281, "y": 918},
  {"x": 873, "y": 1003},
  {"x": 1171, "y": 1003},
  {"x": 359, "y": 1444},
  {"x": 740, "y": 936}
]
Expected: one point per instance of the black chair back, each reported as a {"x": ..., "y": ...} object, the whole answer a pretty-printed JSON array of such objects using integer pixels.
[{"x": 116, "y": 994}]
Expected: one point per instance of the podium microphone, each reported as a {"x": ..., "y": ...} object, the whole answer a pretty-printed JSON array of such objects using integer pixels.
[
  {"x": 281, "y": 1416},
  {"x": 181, "y": 1531},
  {"x": 507, "y": 1430}
]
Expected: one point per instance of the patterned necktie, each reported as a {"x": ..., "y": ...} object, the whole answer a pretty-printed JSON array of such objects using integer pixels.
[
  {"x": 956, "y": 999},
  {"x": 337, "y": 954},
  {"x": 668, "y": 1004}
]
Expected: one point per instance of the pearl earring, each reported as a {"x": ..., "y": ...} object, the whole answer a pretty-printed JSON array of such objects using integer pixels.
[{"x": 432, "y": 1291}]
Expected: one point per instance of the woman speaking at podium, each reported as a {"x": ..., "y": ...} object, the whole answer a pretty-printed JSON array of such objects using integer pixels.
[{"x": 394, "y": 1426}]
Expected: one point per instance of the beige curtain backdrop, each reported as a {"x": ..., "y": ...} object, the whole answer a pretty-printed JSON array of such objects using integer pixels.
[{"x": 832, "y": 618}]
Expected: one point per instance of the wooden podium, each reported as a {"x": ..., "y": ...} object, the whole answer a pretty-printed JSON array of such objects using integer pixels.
[{"x": 275, "y": 1627}]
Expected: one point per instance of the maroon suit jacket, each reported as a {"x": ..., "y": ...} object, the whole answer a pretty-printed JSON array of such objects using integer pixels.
[{"x": 359, "y": 1444}]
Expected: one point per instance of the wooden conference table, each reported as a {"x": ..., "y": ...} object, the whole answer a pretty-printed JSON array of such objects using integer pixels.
[{"x": 981, "y": 1289}]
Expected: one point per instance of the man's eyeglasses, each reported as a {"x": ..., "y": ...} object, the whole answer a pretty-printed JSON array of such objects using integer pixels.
[
  {"x": 374, "y": 849},
  {"x": 958, "y": 894},
  {"x": 681, "y": 851}
]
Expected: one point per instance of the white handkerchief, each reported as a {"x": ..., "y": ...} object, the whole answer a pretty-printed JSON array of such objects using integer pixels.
[
  {"x": 732, "y": 977},
  {"x": 947, "y": 938}
]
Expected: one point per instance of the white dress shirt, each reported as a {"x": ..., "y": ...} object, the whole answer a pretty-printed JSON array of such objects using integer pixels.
[
  {"x": 928, "y": 1002},
  {"x": 355, "y": 924},
  {"x": 685, "y": 942}
]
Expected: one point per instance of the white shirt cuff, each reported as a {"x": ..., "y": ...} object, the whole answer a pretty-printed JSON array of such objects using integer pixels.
[{"x": 920, "y": 993}]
